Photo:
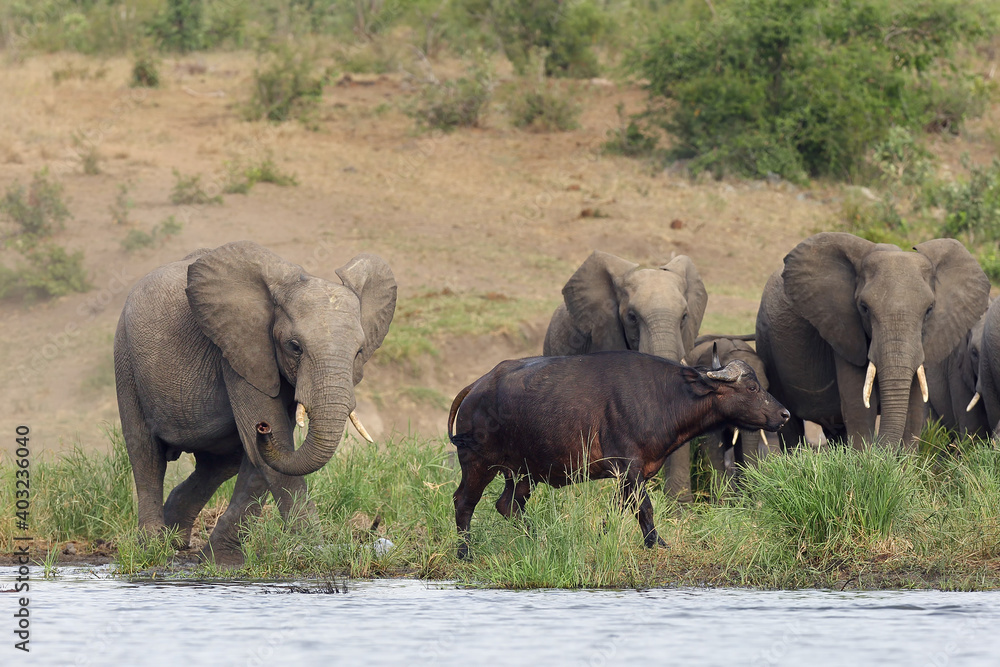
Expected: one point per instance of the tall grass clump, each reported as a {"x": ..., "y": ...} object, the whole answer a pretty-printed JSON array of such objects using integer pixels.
[
  {"x": 802, "y": 88},
  {"x": 85, "y": 495},
  {"x": 837, "y": 503},
  {"x": 969, "y": 485}
]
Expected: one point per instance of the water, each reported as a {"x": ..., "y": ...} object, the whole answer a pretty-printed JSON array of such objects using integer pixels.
[{"x": 84, "y": 617}]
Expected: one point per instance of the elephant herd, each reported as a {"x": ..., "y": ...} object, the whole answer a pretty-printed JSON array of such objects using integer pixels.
[{"x": 222, "y": 353}]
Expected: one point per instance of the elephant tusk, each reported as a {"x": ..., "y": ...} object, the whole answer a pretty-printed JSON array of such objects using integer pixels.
[
  {"x": 300, "y": 415},
  {"x": 973, "y": 402},
  {"x": 922, "y": 379},
  {"x": 763, "y": 438},
  {"x": 736, "y": 434},
  {"x": 361, "y": 428},
  {"x": 866, "y": 395}
]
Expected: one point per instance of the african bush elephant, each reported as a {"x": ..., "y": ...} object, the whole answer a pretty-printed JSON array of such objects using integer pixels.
[
  {"x": 846, "y": 329},
  {"x": 217, "y": 354},
  {"x": 953, "y": 385},
  {"x": 613, "y": 304},
  {"x": 989, "y": 368},
  {"x": 730, "y": 449}
]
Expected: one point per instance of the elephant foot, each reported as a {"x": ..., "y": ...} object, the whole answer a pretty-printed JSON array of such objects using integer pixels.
[{"x": 226, "y": 556}]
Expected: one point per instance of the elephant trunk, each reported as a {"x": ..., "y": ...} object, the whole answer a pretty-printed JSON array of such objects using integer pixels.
[
  {"x": 328, "y": 404},
  {"x": 894, "y": 399},
  {"x": 666, "y": 344}
]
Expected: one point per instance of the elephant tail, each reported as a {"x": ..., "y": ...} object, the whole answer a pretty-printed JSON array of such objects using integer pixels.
[{"x": 454, "y": 410}]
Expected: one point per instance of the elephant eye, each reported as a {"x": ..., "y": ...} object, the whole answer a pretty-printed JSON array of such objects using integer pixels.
[
  {"x": 294, "y": 347},
  {"x": 632, "y": 317},
  {"x": 864, "y": 308},
  {"x": 930, "y": 309}
]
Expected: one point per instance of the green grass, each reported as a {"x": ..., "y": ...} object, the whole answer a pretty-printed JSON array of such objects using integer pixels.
[
  {"x": 423, "y": 320},
  {"x": 836, "y": 518}
]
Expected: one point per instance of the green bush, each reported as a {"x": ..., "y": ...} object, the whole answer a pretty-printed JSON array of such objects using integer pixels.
[
  {"x": 51, "y": 272},
  {"x": 241, "y": 178},
  {"x": 145, "y": 72},
  {"x": 800, "y": 87},
  {"x": 455, "y": 103},
  {"x": 566, "y": 30},
  {"x": 180, "y": 25},
  {"x": 628, "y": 138},
  {"x": 972, "y": 207},
  {"x": 123, "y": 204},
  {"x": 188, "y": 190},
  {"x": 137, "y": 239},
  {"x": 39, "y": 210},
  {"x": 285, "y": 85},
  {"x": 544, "y": 108}
]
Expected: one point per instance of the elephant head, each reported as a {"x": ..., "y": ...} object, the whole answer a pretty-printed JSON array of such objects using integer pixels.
[
  {"x": 274, "y": 322},
  {"x": 622, "y": 306},
  {"x": 886, "y": 310}
]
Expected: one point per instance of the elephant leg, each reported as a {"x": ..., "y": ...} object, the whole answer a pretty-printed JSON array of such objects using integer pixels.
[
  {"x": 292, "y": 497},
  {"x": 859, "y": 421},
  {"x": 792, "y": 434},
  {"x": 224, "y": 544},
  {"x": 714, "y": 446},
  {"x": 146, "y": 454},
  {"x": 677, "y": 470},
  {"x": 189, "y": 497}
]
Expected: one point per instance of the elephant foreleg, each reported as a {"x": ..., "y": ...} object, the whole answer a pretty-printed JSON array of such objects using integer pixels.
[
  {"x": 189, "y": 497},
  {"x": 677, "y": 471},
  {"x": 224, "y": 544},
  {"x": 859, "y": 421}
]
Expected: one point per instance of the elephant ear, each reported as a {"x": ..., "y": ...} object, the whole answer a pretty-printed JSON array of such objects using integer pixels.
[
  {"x": 592, "y": 299},
  {"x": 961, "y": 296},
  {"x": 820, "y": 278},
  {"x": 230, "y": 293},
  {"x": 371, "y": 279},
  {"x": 695, "y": 294}
]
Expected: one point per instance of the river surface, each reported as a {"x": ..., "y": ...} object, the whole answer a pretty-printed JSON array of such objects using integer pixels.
[{"x": 87, "y": 617}]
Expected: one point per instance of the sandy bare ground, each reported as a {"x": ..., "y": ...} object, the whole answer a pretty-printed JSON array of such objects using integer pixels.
[{"x": 492, "y": 210}]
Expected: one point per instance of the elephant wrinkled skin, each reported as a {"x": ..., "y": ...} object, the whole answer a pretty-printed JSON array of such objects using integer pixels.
[
  {"x": 846, "y": 329},
  {"x": 953, "y": 384},
  {"x": 220, "y": 348},
  {"x": 613, "y": 304}
]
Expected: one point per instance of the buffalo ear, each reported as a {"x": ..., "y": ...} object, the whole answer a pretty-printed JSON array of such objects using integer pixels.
[
  {"x": 695, "y": 294},
  {"x": 592, "y": 299},
  {"x": 700, "y": 384},
  {"x": 961, "y": 296},
  {"x": 820, "y": 277},
  {"x": 371, "y": 279},
  {"x": 230, "y": 290}
]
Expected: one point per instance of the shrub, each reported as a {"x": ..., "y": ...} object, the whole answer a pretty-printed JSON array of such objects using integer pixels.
[
  {"x": 240, "y": 178},
  {"x": 122, "y": 205},
  {"x": 566, "y": 30},
  {"x": 51, "y": 271},
  {"x": 137, "y": 239},
  {"x": 458, "y": 103},
  {"x": 188, "y": 190},
  {"x": 972, "y": 208},
  {"x": 628, "y": 139},
  {"x": 145, "y": 72},
  {"x": 285, "y": 86},
  {"x": 544, "y": 108},
  {"x": 89, "y": 156},
  {"x": 180, "y": 25},
  {"x": 799, "y": 88},
  {"x": 40, "y": 210}
]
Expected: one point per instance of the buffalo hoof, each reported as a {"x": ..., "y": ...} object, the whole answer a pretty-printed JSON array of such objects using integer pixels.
[{"x": 654, "y": 540}]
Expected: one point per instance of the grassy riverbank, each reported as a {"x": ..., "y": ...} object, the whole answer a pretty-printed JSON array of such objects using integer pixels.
[{"x": 837, "y": 518}]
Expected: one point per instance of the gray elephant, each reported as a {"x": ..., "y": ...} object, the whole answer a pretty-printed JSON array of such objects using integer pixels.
[
  {"x": 731, "y": 449},
  {"x": 989, "y": 368},
  {"x": 953, "y": 386},
  {"x": 219, "y": 355},
  {"x": 846, "y": 329},
  {"x": 613, "y": 304}
]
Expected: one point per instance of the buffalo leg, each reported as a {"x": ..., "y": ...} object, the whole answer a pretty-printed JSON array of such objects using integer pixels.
[
  {"x": 633, "y": 494},
  {"x": 475, "y": 478}
]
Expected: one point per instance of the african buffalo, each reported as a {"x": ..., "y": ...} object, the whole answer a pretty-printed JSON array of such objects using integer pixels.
[{"x": 558, "y": 419}]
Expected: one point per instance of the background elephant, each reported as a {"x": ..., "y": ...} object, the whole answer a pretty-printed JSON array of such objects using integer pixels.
[
  {"x": 849, "y": 322},
  {"x": 210, "y": 347},
  {"x": 613, "y": 304},
  {"x": 989, "y": 368},
  {"x": 750, "y": 446},
  {"x": 953, "y": 383}
]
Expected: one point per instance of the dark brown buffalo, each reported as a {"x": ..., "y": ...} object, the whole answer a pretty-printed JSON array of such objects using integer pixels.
[{"x": 561, "y": 419}]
